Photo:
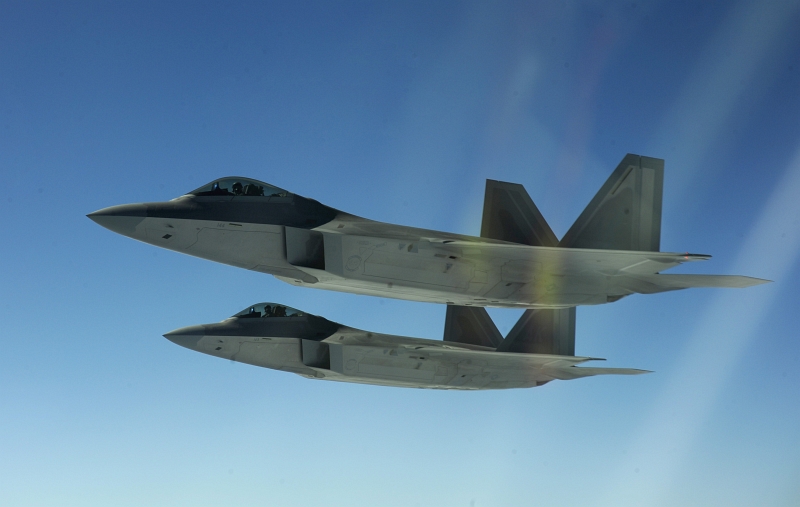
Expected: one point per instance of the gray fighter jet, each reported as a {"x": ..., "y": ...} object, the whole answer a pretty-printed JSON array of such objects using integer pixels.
[
  {"x": 610, "y": 252},
  {"x": 472, "y": 356}
]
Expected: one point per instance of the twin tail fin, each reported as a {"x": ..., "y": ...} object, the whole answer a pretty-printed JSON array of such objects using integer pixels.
[
  {"x": 537, "y": 331},
  {"x": 625, "y": 214}
]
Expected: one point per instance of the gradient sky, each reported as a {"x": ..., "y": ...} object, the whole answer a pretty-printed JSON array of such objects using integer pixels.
[{"x": 395, "y": 111}]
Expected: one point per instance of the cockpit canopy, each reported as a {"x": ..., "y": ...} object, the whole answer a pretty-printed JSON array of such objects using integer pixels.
[
  {"x": 268, "y": 310},
  {"x": 235, "y": 186}
]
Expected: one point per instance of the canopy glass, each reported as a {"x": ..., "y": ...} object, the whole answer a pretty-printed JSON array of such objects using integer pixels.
[
  {"x": 235, "y": 186},
  {"x": 268, "y": 310}
]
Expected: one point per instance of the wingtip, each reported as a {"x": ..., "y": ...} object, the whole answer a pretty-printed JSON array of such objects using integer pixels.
[
  {"x": 752, "y": 282},
  {"x": 696, "y": 256}
]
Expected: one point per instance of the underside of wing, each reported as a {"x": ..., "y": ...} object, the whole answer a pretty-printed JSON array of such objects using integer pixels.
[
  {"x": 661, "y": 283},
  {"x": 573, "y": 372}
]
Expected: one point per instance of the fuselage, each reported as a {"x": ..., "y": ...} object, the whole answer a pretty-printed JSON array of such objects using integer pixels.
[
  {"x": 305, "y": 243},
  {"x": 320, "y": 349}
]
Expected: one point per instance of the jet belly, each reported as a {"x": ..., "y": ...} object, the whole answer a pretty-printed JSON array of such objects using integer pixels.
[
  {"x": 414, "y": 270},
  {"x": 242, "y": 245},
  {"x": 440, "y": 368},
  {"x": 365, "y": 358},
  {"x": 370, "y": 358},
  {"x": 422, "y": 270},
  {"x": 274, "y": 353},
  {"x": 258, "y": 247}
]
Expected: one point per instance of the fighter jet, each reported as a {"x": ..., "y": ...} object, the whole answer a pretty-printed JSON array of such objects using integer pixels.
[
  {"x": 472, "y": 356},
  {"x": 611, "y": 251}
]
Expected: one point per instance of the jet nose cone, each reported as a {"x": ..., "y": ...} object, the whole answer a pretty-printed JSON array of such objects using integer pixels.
[
  {"x": 186, "y": 336},
  {"x": 121, "y": 219}
]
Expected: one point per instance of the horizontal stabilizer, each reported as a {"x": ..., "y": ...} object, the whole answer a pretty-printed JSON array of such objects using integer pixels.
[
  {"x": 473, "y": 325},
  {"x": 573, "y": 372},
  {"x": 625, "y": 214},
  {"x": 662, "y": 283},
  {"x": 509, "y": 214},
  {"x": 542, "y": 332}
]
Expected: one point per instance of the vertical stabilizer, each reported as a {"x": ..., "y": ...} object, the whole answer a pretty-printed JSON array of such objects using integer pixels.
[
  {"x": 467, "y": 324},
  {"x": 542, "y": 332},
  {"x": 509, "y": 214},
  {"x": 626, "y": 213}
]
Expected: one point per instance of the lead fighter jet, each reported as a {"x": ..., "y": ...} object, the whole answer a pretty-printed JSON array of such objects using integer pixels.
[
  {"x": 611, "y": 251},
  {"x": 472, "y": 356}
]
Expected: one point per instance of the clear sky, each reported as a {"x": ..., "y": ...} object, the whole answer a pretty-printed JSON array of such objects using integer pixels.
[{"x": 395, "y": 111}]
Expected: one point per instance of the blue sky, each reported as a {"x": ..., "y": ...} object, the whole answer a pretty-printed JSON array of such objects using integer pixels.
[{"x": 396, "y": 111}]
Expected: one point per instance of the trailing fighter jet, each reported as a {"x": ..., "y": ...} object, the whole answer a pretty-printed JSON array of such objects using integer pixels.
[
  {"x": 611, "y": 251},
  {"x": 472, "y": 356}
]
